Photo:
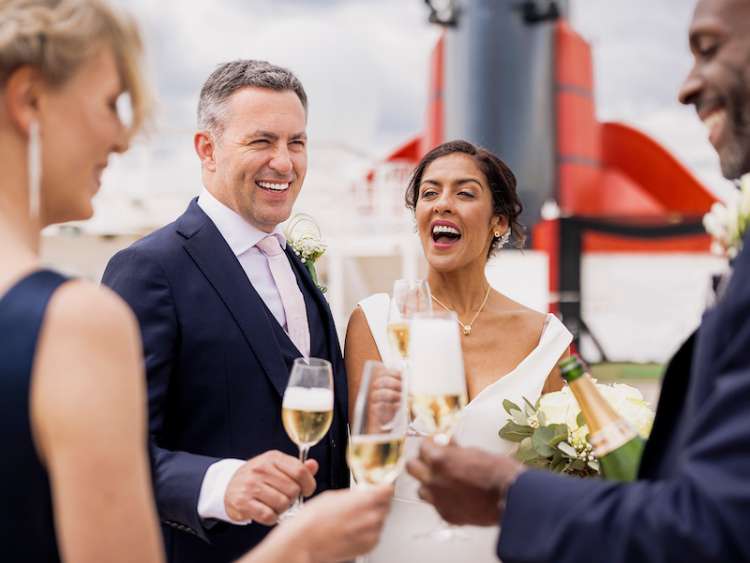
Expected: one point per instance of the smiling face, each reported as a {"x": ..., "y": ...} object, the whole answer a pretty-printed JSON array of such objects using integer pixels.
[
  {"x": 454, "y": 213},
  {"x": 719, "y": 82},
  {"x": 257, "y": 164},
  {"x": 79, "y": 129}
]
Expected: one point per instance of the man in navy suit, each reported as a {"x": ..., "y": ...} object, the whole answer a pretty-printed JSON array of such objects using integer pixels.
[
  {"x": 225, "y": 307},
  {"x": 691, "y": 502}
]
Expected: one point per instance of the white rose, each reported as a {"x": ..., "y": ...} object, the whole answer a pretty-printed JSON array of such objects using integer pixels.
[
  {"x": 560, "y": 407},
  {"x": 715, "y": 221},
  {"x": 745, "y": 195},
  {"x": 629, "y": 403}
]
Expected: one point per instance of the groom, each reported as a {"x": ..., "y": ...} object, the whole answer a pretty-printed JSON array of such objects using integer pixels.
[
  {"x": 224, "y": 308},
  {"x": 692, "y": 500}
]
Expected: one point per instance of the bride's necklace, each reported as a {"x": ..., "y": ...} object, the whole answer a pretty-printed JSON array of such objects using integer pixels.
[{"x": 466, "y": 327}]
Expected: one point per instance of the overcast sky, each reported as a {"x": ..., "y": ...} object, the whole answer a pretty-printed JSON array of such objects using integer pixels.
[{"x": 364, "y": 65}]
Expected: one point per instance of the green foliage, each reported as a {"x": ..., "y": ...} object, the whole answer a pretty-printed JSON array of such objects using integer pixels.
[{"x": 541, "y": 445}]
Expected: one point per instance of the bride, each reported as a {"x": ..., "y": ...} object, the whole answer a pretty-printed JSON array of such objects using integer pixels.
[{"x": 466, "y": 207}]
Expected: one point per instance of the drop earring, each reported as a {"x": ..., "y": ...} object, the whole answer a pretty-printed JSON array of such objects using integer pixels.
[
  {"x": 34, "y": 161},
  {"x": 503, "y": 238}
]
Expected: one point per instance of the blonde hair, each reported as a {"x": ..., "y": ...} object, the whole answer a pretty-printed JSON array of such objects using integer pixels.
[{"x": 57, "y": 36}]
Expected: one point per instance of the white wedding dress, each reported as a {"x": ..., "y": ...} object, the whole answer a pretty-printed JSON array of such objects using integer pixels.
[{"x": 478, "y": 427}]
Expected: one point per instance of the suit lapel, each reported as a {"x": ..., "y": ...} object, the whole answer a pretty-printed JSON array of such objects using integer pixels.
[
  {"x": 220, "y": 266},
  {"x": 311, "y": 292},
  {"x": 674, "y": 390}
]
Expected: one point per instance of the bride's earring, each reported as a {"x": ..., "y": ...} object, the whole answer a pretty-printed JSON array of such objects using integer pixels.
[
  {"x": 34, "y": 161},
  {"x": 503, "y": 238}
]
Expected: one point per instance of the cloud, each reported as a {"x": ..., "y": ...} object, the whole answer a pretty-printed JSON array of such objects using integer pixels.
[{"x": 365, "y": 67}]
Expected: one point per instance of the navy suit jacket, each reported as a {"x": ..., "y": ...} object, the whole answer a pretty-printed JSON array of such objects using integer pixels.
[
  {"x": 217, "y": 364},
  {"x": 692, "y": 500}
]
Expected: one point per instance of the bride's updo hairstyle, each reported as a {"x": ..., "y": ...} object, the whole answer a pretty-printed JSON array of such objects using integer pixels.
[
  {"x": 57, "y": 36},
  {"x": 501, "y": 180}
]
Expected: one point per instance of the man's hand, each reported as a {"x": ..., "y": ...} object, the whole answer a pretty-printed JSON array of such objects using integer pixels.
[
  {"x": 466, "y": 485},
  {"x": 266, "y": 485}
]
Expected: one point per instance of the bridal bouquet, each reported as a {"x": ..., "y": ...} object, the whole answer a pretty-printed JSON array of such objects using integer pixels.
[
  {"x": 553, "y": 435},
  {"x": 727, "y": 223}
]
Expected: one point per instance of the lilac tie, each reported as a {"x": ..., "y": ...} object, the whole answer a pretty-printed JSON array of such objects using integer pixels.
[{"x": 291, "y": 296}]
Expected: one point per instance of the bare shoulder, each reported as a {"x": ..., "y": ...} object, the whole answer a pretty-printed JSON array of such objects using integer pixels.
[
  {"x": 359, "y": 347},
  {"x": 527, "y": 320},
  {"x": 89, "y": 327},
  {"x": 357, "y": 323},
  {"x": 359, "y": 338},
  {"x": 88, "y": 372},
  {"x": 85, "y": 306}
]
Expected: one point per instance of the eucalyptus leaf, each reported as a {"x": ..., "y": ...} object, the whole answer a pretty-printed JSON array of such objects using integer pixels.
[
  {"x": 558, "y": 433},
  {"x": 558, "y": 463},
  {"x": 538, "y": 463},
  {"x": 529, "y": 409},
  {"x": 578, "y": 465},
  {"x": 510, "y": 406},
  {"x": 515, "y": 432},
  {"x": 530, "y": 457},
  {"x": 541, "y": 441},
  {"x": 567, "y": 449},
  {"x": 526, "y": 451}
]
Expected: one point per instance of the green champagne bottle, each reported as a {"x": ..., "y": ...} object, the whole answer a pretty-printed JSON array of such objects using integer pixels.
[{"x": 617, "y": 446}]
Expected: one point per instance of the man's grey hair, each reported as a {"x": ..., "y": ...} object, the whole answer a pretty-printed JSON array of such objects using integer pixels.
[{"x": 232, "y": 76}]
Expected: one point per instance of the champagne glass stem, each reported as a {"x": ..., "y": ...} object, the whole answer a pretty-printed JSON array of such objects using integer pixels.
[{"x": 303, "y": 451}]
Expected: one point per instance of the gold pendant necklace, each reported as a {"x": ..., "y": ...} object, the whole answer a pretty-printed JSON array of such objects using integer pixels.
[{"x": 466, "y": 327}]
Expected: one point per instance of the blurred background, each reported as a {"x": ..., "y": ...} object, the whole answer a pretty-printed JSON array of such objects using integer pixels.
[{"x": 369, "y": 68}]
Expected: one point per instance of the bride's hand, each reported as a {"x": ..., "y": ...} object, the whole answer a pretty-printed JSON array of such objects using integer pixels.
[
  {"x": 385, "y": 400},
  {"x": 466, "y": 485}
]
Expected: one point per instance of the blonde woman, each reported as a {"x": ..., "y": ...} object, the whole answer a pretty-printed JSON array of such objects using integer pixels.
[{"x": 74, "y": 477}]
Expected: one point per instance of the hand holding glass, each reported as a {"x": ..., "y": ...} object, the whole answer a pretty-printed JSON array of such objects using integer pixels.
[
  {"x": 437, "y": 385},
  {"x": 379, "y": 426},
  {"x": 307, "y": 407},
  {"x": 409, "y": 298}
]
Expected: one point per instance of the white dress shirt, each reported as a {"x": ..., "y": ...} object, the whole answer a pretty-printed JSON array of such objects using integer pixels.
[{"x": 241, "y": 238}]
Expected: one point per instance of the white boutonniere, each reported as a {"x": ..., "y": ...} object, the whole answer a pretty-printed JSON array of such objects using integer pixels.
[
  {"x": 303, "y": 234},
  {"x": 728, "y": 222}
]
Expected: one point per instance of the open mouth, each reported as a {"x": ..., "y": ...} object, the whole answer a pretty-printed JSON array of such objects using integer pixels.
[
  {"x": 273, "y": 186},
  {"x": 445, "y": 234},
  {"x": 715, "y": 123},
  {"x": 714, "y": 117}
]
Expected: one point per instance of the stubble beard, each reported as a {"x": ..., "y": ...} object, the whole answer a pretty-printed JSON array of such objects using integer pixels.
[{"x": 735, "y": 156}]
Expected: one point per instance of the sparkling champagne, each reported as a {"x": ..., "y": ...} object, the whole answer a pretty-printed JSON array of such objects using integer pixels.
[
  {"x": 436, "y": 414},
  {"x": 307, "y": 414},
  {"x": 376, "y": 459},
  {"x": 399, "y": 337},
  {"x": 617, "y": 446}
]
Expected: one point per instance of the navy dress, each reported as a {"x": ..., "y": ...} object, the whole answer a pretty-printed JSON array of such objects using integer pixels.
[{"x": 27, "y": 531}]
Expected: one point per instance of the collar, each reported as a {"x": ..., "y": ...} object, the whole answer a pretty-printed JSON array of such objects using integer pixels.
[{"x": 239, "y": 234}]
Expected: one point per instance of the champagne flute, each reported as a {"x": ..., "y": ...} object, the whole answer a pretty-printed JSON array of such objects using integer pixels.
[
  {"x": 378, "y": 431},
  {"x": 307, "y": 408},
  {"x": 437, "y": 385},
  {"x": 409, "y": 297}
]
